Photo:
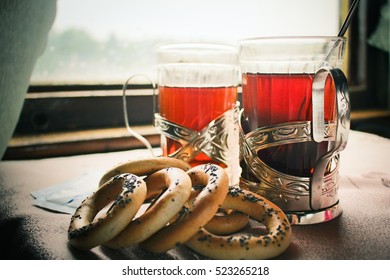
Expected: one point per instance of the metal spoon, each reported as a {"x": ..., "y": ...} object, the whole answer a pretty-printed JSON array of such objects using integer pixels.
[
  {"x": 348, "y": 19},
  {"x": 344, "y": 27}
]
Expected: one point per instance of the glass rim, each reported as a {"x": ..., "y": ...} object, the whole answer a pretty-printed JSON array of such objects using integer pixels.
[
  {"x": 297, "y": 39},
  {"x": 195, "y": 47},
  {"x": 200, "y": 53}
]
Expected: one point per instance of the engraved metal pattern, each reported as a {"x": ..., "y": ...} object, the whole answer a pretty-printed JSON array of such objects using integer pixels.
[
  {"x": 173, "y": 130},
  {"x": 212, "y": 140},
  {"x": 287, "y": 133},
  {"x": 291, "y": 193}
]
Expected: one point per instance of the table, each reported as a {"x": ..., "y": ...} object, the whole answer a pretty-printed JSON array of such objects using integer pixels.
[{"x": 361, "y": 232}]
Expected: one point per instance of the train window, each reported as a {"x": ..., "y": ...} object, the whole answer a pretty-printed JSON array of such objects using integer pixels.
[{"x": 103, "y": 42}]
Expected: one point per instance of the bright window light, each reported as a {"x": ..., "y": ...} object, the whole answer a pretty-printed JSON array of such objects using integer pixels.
[{"x": 105, "y": 42}]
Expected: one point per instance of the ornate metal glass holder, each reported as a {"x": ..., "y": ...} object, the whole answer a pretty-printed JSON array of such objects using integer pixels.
[
  {"x": 217, "y": 140},
  {"x": 306, "y": 200}
]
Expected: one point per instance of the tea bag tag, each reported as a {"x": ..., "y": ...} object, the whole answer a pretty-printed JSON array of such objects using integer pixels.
[{"x": 318, "y": 121}]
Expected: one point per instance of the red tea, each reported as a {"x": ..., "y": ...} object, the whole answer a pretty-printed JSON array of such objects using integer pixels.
[
  {"x": 194, "y": 108},
  {"x": 271, "y": 99}
]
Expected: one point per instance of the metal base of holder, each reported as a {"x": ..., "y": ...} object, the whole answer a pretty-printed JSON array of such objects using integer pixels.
[{"x": 314, "y": 217}]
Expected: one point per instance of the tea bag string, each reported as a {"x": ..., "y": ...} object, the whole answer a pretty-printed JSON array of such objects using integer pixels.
[{"x": 132, "y": 132}]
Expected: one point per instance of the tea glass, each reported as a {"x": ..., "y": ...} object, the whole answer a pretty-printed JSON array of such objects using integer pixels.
[
  {"x": 294, "y": 123},
  {"x": 197, "y": 104}
]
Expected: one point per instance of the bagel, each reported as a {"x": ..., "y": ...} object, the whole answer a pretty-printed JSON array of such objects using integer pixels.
[
  {"x": 213, "y": 182},
  {"x": 226, "y": 222},
  {"x": 90, "y": 227},
  {"x": 143, "y": 167},
  {"x": 176, "y": 185},
  {"x": 245, "y": 245}
]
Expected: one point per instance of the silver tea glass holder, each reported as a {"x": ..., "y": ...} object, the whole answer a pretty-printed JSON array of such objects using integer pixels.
[{"x": 305, "y": 200}]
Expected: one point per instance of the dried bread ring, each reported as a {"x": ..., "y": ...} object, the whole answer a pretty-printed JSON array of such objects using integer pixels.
[
  {"x": 177, "y": 189},
  {"x": 227, "y": 222},
  {"x": 247, "y": 246},
  {"x": 127, "y": 192},
  {"x": 214, "y": 183},
  {"x": 144, "y": 166}
]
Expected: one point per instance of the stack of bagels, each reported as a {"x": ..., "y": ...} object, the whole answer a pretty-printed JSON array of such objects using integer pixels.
[{"x": 186, "y": 205}]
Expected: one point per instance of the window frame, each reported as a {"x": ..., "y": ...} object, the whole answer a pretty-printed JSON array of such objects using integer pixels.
[{"x": 78, "y": 119}]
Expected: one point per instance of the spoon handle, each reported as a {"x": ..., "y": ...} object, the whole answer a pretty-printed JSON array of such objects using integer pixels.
[{"x": 348, "y": 19}]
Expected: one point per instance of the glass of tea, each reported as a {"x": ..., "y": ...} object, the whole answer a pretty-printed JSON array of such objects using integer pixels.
[
  {"x": 294, "y": 123},
  {"x": 197, "y": 104}
]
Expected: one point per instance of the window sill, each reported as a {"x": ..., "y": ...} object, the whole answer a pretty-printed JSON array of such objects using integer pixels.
[
  {"x": 376, "y": 121},
  {"x": 115, "y": 139},
  {"x": 56, "y": 144},
  {"x": 369, "y": 114}
]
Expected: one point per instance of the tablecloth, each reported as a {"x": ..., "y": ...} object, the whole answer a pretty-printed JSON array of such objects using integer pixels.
[{"x": 361, "y": 232}]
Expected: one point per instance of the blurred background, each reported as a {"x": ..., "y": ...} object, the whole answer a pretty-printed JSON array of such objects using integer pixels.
[{"x": 93, "y": 41}]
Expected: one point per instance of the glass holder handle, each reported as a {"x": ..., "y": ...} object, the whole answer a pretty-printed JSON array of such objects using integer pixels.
[
  {"x": 342, "y": 127},
  {"x": 132, "y": 132}
]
